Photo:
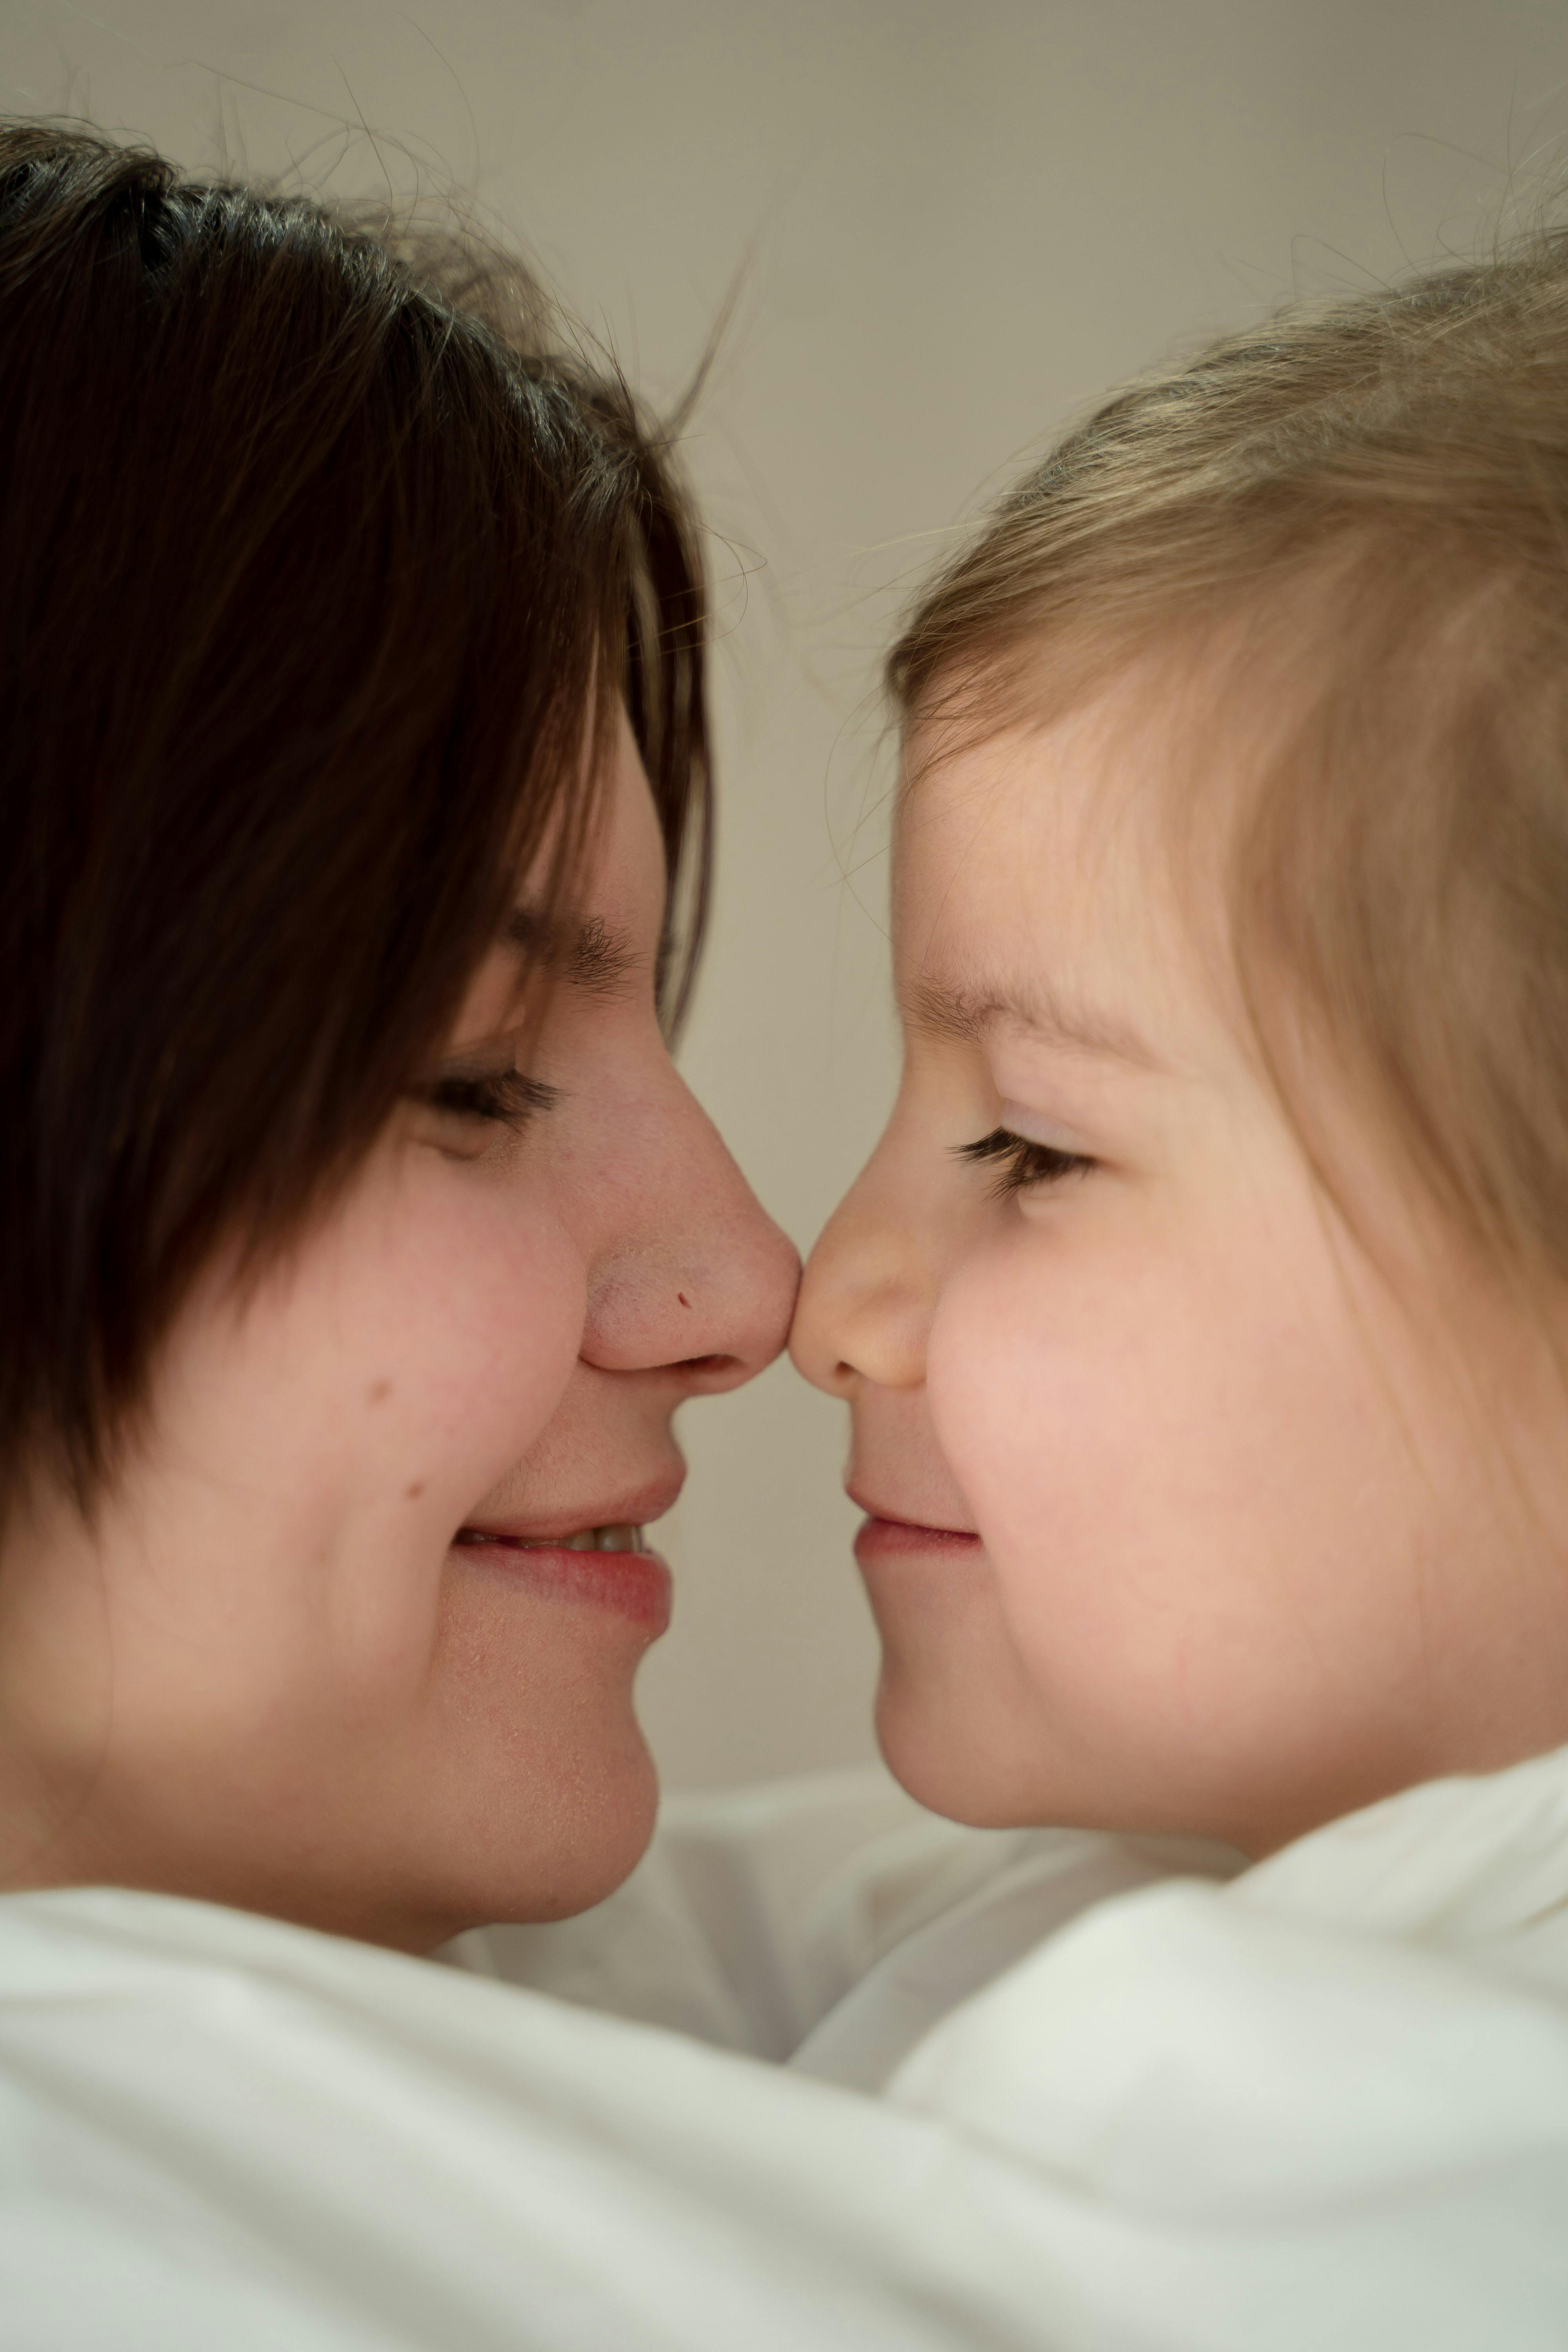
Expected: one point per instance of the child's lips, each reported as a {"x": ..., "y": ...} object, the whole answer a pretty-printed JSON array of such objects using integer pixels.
[
  {"x": 882, "y": 1512},
  {"x": 882, "y": 1536}
]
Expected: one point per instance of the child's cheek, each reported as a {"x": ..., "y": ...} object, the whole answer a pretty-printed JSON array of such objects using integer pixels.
[
  {"x": 1115, "y": 1428},
  {"x": 1167, "y": 1449},
  {"x": 1039, "y": 1439}
]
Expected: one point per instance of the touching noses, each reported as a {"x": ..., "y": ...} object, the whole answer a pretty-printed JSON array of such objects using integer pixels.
[
  {"x": 700, "y": 1282},
  {"x": 866, "y": 1300}
]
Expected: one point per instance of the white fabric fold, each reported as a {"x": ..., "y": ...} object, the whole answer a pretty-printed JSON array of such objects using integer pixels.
[{"x": 1131, "y": 2104}]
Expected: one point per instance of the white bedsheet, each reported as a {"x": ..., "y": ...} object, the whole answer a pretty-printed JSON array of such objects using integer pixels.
[{"x": 1324, "y": 2103}]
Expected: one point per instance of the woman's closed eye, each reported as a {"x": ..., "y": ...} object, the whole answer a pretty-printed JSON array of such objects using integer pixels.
[
  {"x": 1022, "y": 1162},
  {"x": 503, "y": 1095}
]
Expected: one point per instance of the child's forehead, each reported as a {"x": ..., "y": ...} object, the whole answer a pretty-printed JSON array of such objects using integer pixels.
[
  {"x": 1038, "y": 879},
  {"x": 1052, "y": 831}
]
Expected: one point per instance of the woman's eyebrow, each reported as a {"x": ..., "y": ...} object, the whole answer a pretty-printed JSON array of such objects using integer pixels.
[
  {"x": 967, "y": 1015},
  {"x": 586, "y": 952}
]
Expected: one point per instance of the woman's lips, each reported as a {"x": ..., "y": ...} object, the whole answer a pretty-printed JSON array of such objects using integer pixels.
[
  {"x": 880, "y": 1539},
  {"x": 606, "y": 1567}
]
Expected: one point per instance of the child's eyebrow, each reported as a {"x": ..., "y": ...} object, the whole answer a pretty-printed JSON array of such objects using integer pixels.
[{"x": 967, "y": 1015}]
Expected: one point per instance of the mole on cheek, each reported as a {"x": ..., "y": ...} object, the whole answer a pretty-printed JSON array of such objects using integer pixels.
[
  {"x": 413, "y": 1492},
  {"x": 378, "y": 1392}
]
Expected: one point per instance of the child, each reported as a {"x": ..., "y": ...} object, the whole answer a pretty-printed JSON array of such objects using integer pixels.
[
  {"x": 1203, "y": 1312},
  {"x": 1202, "y": 1315}
]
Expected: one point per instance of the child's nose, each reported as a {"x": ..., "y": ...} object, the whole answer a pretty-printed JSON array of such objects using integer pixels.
[{"x": 864, "y": 1310}]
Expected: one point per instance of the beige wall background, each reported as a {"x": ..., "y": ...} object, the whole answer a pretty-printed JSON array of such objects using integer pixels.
[{"x": 951, "y": 223}]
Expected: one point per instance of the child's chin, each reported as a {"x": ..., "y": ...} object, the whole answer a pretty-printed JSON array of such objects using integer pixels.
[{"x": 929, "y": 1745}]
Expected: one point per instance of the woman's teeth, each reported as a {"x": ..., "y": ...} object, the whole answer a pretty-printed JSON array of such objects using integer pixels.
[{"x": 620, "y": 1537}]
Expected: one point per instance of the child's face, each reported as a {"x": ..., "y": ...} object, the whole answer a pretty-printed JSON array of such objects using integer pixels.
[{"x": 1181, "y": 1516}]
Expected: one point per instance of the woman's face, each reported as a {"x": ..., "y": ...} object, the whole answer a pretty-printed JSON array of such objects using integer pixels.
[
  {"x": 334, "y": 1649},
  {"x": 1183, "y": 1513}
]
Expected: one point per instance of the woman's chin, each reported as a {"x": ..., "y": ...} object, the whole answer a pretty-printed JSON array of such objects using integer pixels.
[
  {"x": 523, "y": 1791},
  {"x": 606, "y": 1821},
  {"x": 540, "y": 1827},
  {"x": 533, "y": 1793}
]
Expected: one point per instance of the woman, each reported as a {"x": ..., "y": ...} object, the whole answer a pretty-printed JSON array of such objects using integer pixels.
[
  {"x": 359, "y": 1243},
  {"x": 360, "y": 1239}
]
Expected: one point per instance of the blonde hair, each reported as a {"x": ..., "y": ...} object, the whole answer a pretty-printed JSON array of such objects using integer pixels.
[{"x": 1379, "y": 488}]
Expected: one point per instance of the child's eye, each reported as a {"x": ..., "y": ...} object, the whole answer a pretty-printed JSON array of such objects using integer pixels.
[
  {"x": 503, "y": 1095},
  {"x": 1023, "y": 1163}
]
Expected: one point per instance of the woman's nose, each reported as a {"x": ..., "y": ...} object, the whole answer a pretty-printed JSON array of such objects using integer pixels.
[
  {"x": 705, "y": 1286},
  {"x": 864, "y": 1302}
]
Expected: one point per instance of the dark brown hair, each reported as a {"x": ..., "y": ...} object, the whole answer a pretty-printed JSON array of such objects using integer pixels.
[
  {"x": 1366, "y": 502},
  {"x": 325, "y": 563}
]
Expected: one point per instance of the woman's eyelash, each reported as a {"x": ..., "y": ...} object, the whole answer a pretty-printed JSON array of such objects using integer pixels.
[
  {"x": 489, "y": 1093},
  {"x": 1023, "y": 1163}
]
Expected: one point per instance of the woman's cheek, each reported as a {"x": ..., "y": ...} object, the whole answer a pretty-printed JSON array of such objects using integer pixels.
[{"x": 474, "y": 1319}]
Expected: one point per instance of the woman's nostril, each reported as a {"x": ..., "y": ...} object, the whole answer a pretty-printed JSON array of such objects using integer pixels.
[{"x": 708, "y": 1367}]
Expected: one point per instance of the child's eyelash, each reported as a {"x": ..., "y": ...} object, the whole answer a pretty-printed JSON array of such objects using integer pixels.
[
  {"x": 1023, "y": 1163},
  {"x": 489, "y": 1093}
]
